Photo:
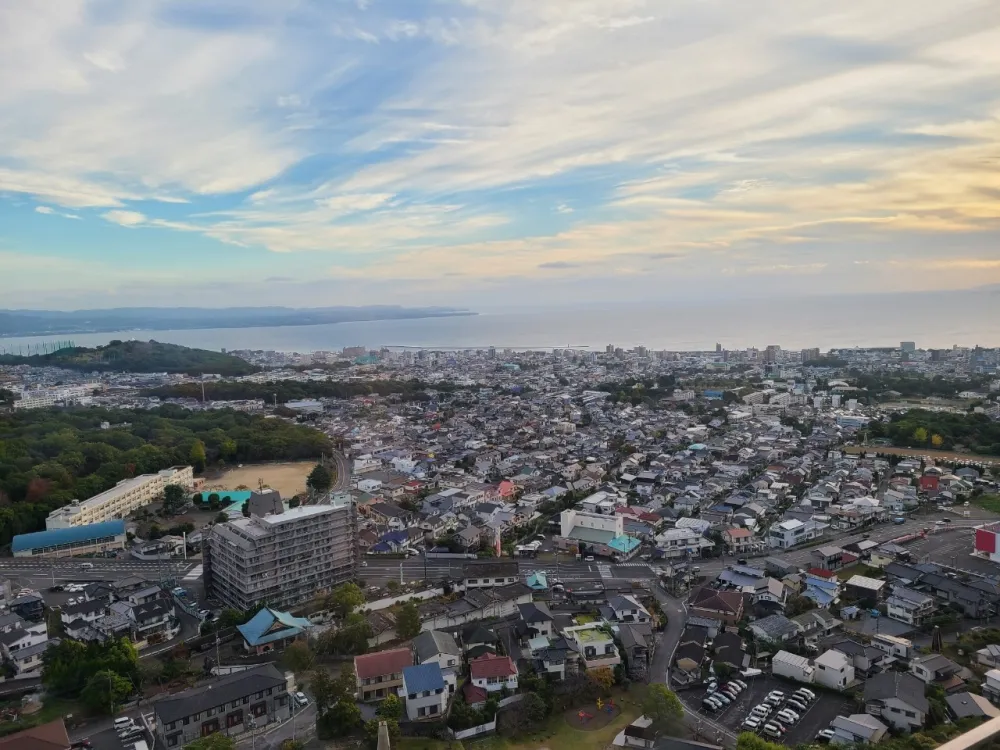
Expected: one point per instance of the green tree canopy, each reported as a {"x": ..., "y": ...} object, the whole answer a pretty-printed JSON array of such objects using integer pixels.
[
  {"x": 663, "y": 708},
  {"x": 408, "y": 621},
  {"x": 345, "y": 599},
  {"x": 298, "y": 657},
  {"x": 320, "y": 479},
  {"x": 214, "y": 741},
  {"x": 105, "y": 692}
]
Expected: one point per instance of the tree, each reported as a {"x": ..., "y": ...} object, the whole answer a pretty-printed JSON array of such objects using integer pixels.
[
  {"x": 213, "y": 501},
  {"x": 392, "y": 585},
  {"x": 328, "y": 690},
  {"x": 197, "y": 456},
  {"x": 221, "y": 518},
  {"x": 534, "y": 708},
  {"x": 936, "y": 440},
  {"x": 340, "y": 720},
  {"x": 298, "y": 657},
  {"x": 105, "y": 692},
  {"x": 214, "y": 741},
  {"x": 320, "y": 479},
  {"x": 246, "y": 509},
  {"x": 798, "y": 604},
  {"x": 295, "y": 502},
  {"x": 722, "y": 669},
  {"x": 663, "y": 708},
  {"x": 750, "y": 741},
  {"x": 408, "y": 621},
  {"x": 345, "y": 599},
  {"x": 174, "y": 499},
  {"x": 603, "y": 678},
  {"x": 391, "y": 708}
]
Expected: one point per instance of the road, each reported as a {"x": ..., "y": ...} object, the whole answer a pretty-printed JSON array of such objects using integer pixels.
[
  {"x": 343, "y": 469},
  {"x": 378, "y": 571}
]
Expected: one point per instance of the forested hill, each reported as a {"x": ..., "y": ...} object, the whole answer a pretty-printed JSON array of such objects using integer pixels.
[
  {"x": 137, "y": 356},
  {"x": 49, "y": 457},
  {"x": 287, "y": 390}
]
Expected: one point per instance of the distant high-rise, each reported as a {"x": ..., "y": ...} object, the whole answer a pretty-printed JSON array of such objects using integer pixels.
[
  {"x": 493, "y": 352},
  {"x": 907, "y": 346},
  {"x": 718, "y": 348},
  {"x": 609, "y": 349},
  {"x": 810, "y": 355},
  {"x": 772, "y": 353}
]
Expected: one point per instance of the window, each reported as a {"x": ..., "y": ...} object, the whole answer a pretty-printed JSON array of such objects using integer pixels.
[
  {"x": 234, "y": 719},
  {"x": 186, "y": 721},
  {"x": 432, "y": 709},
  {"x": 412, "y": 696},
  {"x": 197, "y": 716},
  {"x": 910, "y": 714},
  {"x": 171, "y": 725},
  {"x": 209, "y": 727},
  {"x": 259, "y": 709},
  {"x": 173, "y": 740}
]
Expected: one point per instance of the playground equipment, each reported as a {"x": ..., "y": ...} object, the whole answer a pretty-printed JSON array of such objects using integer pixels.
[
  {"x": 584, "y": 717},
  {"x": 608, "y": 707}
]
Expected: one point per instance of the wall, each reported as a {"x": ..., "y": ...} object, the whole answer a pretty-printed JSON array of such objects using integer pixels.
[{"x": 474, "y": 731}]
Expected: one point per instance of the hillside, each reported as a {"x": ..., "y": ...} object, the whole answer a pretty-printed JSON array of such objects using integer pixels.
[{"x": 137, "y": 356}]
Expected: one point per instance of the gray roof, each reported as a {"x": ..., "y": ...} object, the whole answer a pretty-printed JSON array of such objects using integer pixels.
[
  {"x": 10, "y": 620},
  {"x": 963, "y": 705},
  {"x": 535, "y": 612},
  {"x": 905, "y": 687},
  {"x": 775, "y": 626},
  {"x": 226, "y": 690},
  {"x": 430, "y": 643}
]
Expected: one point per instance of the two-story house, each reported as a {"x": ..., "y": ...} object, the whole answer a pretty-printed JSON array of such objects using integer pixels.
[
  {"x": 537, "y": 619},
  {"x": 909, "y": 606},
  {"x": 723, "y": 606},
  {"x": 834, "y": 670},
  {"x": 625, "y": 608},
  {"x": 28, "y": 661},
  {"x": 935, "y": 668},
  {"x": 23, "y": 635},
  {"x": 490, "y": 574},
  {"x": 897, "y": 699},
  {"x": 492, "y": 673},
  {"x": 425, "y": 691},
  {"x": 231, "y": 705},
  {"x": 437, "y": 647},
  {"x": 381, "y": 674},
  {"x": 595, "y": 645}
]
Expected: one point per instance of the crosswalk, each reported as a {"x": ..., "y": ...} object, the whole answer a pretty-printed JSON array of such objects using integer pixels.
[
  {"x": 605, "y": 571},
  {"x": 195, "y": 573},
  {"x": 635, "y": 565}
]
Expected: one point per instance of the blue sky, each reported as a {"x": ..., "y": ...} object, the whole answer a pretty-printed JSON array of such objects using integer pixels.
[{"x": 494, "y": 152}]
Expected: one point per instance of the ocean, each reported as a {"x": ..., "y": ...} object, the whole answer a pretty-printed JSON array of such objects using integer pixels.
[{"x": 932, "y": 320}]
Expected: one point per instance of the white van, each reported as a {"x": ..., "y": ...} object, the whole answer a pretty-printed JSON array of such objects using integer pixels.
[
  {"x": 86, "y": 566},
  {"x": 122, "y": 722}
]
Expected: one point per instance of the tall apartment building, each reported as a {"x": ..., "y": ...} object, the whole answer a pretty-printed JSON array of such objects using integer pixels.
[
  {"x": 281, "y": 560},
  {"x": 44, "y": 397},
  {"x": 126, "y": 496}
]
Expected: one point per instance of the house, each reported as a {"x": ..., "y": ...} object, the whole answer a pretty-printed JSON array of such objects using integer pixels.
[
  {"x": 625, "y": 608},
  {"x": 792, "y": 666},
  {"x": 381, "y": 674},
  {"x": 834, "y": 670},
  {"x": 965, "y": 705},
  {"x": 537, "y": 618},
  {"x": 857, "y": 729},
  {"x": 425, "y": 692},
  {"x": 638, "y": 643},
  {"x": 271, "y": 630},
  {"x": 20, "y": 634},
  {"x": 28, "y": 606},
  {"x": 595, "y": 645},
  {"x": 437, "y": 647},
  {"x": 989, "y": 656},
  {"x": 28, "y": 660},
  {"x": 50, "y": 736},
  {"x": 724, "y": 606},
  {"x": 493, "y": 672},
  {"x": 553, "y": 656},
  {"x": 777, "y": 628},
  {"x": 898, "y": 699},
  {"x": 488, "y": 574},
  {"x": 935, "y": 668},
  {"x": 828, "y": 557},
  {"x": 728, "y": 648},
  {"x": 640, "y": 733},
  {"x": 865, "y": 659},
  {"x": 738, "y": 540},
  {"x": 865, "y": 588},
  {"x": 909, "y": 606},
  {"x": 226, "y": 705}
]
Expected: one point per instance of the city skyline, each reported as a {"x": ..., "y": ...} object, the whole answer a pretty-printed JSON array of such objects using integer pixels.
[{"x": 481, "y": 153}]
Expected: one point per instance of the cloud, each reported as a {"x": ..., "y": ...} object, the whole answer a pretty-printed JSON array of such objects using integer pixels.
[
  {"x": 500, "y": 140},
  {"x": 125, "y": 218}
]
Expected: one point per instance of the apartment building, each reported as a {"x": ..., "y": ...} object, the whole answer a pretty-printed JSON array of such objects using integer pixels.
[
  {"x": 45, "y": 397},
  {"x": 595, "y": 646},
  {"x": 231, "y": 705},
  {"x": 126, "y": 496},
  {"x": 281, "y": 560}
]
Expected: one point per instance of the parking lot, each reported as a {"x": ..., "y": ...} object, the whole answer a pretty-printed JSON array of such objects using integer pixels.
[{"x": 818, "y": 715}]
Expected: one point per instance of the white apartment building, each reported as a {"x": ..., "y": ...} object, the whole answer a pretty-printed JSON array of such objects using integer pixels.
[
  {"x": 571, "y": 519},
  {"x": 283, "y": 559},
  {"x": 42, "y": 398},
  {"x": 126, "y": 496}
]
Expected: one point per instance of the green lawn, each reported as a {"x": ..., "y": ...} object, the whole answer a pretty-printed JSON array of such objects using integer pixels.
[
  {"x": 859, "y": 570},
  {"x": 556, "y": 734},
  {"x": 987, "y": 502},
  {"x": 585, "y": 619}
]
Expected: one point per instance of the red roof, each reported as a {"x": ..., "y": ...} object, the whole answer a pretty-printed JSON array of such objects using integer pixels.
[
  {"x": 382, "y": 663},
  {"x": 473, "y": 694},
  {"x": 735, "y": 533},
  {"x": 492, "y": 665},
  {"x": 821, "y": 573}
]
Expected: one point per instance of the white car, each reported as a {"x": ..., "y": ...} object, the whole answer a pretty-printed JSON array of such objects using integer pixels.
[
  {"x": 797, "y": 705},
  {"x": 789, "y": 716},
  {"x": 301, "y": 699},
  {"x": 751, "y": 723},
  {"x": 824, "y": 735},
  {"x": 807, "y": 692},
  {"x": 760, "y": 711},
  {"x": 589, "y": 558}
]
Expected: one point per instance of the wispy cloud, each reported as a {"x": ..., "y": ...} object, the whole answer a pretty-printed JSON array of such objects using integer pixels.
[{"x": 508, "y": 139}]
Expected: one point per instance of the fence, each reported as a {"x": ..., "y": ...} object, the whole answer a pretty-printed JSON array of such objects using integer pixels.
[
  {"x": 474, "y": 731},
  {"x": 393, "y": 600},
  {"x": 451, "y": 556}
]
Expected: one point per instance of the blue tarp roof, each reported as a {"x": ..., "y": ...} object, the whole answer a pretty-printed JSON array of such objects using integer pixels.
[
  {"x": 423, "y": 677},
  {"x": 281, "y": 624},
  {"x": 538, "y": 580},
  {"x": 72, "y": 535}
]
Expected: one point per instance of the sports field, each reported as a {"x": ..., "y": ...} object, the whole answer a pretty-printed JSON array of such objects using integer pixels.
[{"x": 287, "y": 478}]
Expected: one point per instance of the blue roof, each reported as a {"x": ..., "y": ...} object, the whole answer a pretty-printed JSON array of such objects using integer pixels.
[
  {"x": 394, "y": 536},
  {"x": 538, "y": 580},
  {"x": 623, "y": 543},
  {"x": 72, "y": 535},
  {"x": 423, "y": 677},
  {"x": 271, "y": 625}
]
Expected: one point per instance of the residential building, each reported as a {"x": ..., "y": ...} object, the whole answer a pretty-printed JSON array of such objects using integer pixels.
[
  {"x": 437, "y": 647},
  {"x": 791, "y": 532},
  {"x": 126, "y": 496},
  {"x": 50, "y": 736},
  {"x": 595, "y": 645},
  {"x": 230, "y": 705},
  {"x": 381, "y": 674},
  {"x": 724, "y": 606},
  {"x": 94, "y": 538},
  {"x": 280, "y": 560},
  {"x": 931, "y": 668},
  {"x": 909, "y": 606},
  {"x": 738, "y": 540},
  {"x": 857, "y": 729},
  {"x": 425, "y": 692},
  {"x": 898, "y": 699},
  {"x": 537, "y": 619},
  {"x": 493, "y": 673},
  {"x": 833, "y": 670},
  {"x": 970, "y": 705},
  {"x": 792, "y": 666},
  {"x": 489, "y": 574}
]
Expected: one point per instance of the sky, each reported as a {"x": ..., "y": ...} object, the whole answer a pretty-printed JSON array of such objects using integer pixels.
[{"x": 494, "y": 152}]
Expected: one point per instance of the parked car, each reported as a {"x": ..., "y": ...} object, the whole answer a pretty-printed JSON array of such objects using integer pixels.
[
  {"x": 726, "y": 700},
  {"x": 807, "y": 692},
  {"x": 743, "y": 685},
  {"x": 589, "y": 558},
  {"x": 771, "y": 732},
  {"x": 775, "y": 726},
  {"x": 824, "y": 735},
  {"x": 301, "y": 699},
  {"x": 751, "y": 723},
  {"x": 796, "y": 705},
  {"x": 776, "y": 694},
  {"x": 787, "y": 713},
  {"x": 709, "y": 705}
]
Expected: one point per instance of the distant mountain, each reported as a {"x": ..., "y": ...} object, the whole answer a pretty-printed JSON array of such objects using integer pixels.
[
  {"x": 137, "y": 356},
  {"x": 51, "y": 322}
]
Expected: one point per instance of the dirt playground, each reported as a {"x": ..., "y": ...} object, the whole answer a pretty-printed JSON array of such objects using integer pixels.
[{"x": 287, "y": 478}]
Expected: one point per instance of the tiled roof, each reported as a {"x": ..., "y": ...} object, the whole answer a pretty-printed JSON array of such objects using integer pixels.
[
  {"x": 491, "y": 665},
  {"x": 51, "y": 736},
  {"x": 382, "y": 663},
  {"x": 422, "y": 678}
]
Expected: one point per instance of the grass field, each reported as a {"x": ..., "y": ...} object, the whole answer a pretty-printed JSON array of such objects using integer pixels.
[
  {"x": 556, "y": 734},
  {"x": 859, "y": 570},
  {"x": 987, "y": 502},
  {"x": 287, "y": 478}
]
